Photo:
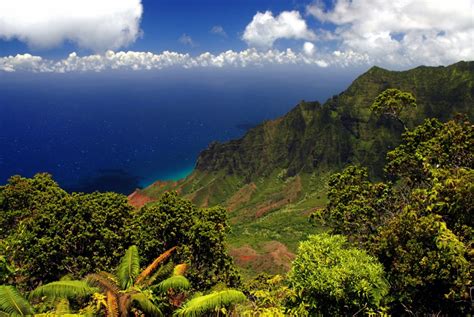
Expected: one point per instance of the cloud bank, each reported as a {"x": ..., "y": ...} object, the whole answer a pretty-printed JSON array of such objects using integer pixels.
[
  {"x": 402, "y": 32},
  {"x": 265, "y": 29},
  {"x": 94, "y": 24},
  {"x": 149, "y": 61}
]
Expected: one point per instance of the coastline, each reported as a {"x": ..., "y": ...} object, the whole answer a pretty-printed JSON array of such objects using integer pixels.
[{"x": 174, "y": 175}]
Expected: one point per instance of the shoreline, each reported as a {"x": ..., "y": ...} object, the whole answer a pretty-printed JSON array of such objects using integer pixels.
[{"x": 169, "y": 176}]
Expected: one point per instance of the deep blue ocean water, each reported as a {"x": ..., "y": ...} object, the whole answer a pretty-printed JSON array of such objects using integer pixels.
[{"x": 119, "y": 131}]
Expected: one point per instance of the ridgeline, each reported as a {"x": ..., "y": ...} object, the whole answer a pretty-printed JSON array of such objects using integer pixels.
[{"x": 273, "y": 177}]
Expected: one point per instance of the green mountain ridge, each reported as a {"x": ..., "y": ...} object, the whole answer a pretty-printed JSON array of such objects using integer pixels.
[{"x": 275, "y": 175}]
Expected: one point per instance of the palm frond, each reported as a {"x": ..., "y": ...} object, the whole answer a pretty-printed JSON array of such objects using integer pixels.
[
  {"x": 64, "y": 289},
  {"x": 146, "y": 305},
  {"x": 56, "y": 315},
  {"x": 180, "y": 269},
  {"x": 176, "y": 282},
  {"x": 152, "y": 267},
  {"x": 129, "y": 267},
  {"x": 162, "y": 272},
  {"x": 211, "y": 302},
  {"x": 124, "y": 302},
  {"x": 112, "y": 305},
  {"x": 106, "y": 282},
  {"x": 12, "y": 303}
]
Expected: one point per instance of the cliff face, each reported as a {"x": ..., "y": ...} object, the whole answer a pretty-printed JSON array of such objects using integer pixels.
[
  {"x": 343, "y": 130},
  {"x": 275, "y": 175}
]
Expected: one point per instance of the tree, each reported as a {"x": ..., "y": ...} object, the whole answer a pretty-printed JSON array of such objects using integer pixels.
[
  {"x": 432, "y": 145},
  {"x": 22, "y": 198},
  {"x": 200, "y": 232},
  {"x": 425, "y": 262},
  {"x": 74, "y": 234},
  {"x": 420, "y": 225},
  {"x": 392, "y": 102},
  {"x": 332, "y": 278},
  {"x": 356, "y": 206}
]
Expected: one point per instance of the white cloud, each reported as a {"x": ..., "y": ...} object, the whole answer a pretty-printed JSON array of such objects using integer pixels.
[
  {"x": 308, "y": 48},
  {"x": 149, "y": 61},
  {"x": 265, "y": 29},
  {"x": 93, "y": 24},
  {"x": 186, "y": 40},
  {"x": 218, "y": 30},
  {"x": 403, "y": 32}
]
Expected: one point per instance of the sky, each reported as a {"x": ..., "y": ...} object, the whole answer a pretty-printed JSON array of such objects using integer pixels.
[{"x": 100, "y": 35}]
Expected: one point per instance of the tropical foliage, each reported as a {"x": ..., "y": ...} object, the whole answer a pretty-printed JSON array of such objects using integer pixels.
[
  {"x": 419, "y": 225},
  {"x": 392, "y": 102},
  {"x": 332, "y": 278},
  {"x": 215, "y": 302},
  {"x": 400, "y": 224},
  {"x": 200, "y": 231},
  {"x": 73, "y": 233}
]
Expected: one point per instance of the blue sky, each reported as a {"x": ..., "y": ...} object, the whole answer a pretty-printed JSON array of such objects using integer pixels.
[
  {"x": 164, "y": 22},
  {"x": 340, "y": 33}
]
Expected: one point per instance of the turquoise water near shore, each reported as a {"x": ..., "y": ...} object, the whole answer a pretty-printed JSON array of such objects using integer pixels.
[{"x": 169, "y": 176}]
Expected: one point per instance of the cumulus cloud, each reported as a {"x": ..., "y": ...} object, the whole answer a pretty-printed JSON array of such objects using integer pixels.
[
  {"x": 265, "y": 29},
  {"x": 92, "y": 24},
  {"x": 308, "y": 48},
  {"x": 408, "y": 32},
  {"x": 149, "y": 61},
  {"x": 218, "y": 30}
]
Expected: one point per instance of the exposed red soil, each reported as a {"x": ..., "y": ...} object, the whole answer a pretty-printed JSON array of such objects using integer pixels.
[
  {"x": 244, "y": 255},
  {"x": 275, "y": 257},
  {"x": 137, "y": 199}
]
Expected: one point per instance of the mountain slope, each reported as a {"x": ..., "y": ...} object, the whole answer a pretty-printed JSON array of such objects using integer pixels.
[{"x": 275, "y": 175}]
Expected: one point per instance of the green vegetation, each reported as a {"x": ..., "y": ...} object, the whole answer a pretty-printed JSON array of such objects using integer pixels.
[
  {"x": 12, "y": 303},
  {"x": 420, "y": 225},
  {"x": 335, "y": 279},
  {"x": 276, "y": 174},
  {"x": 391, "y": 232},
  {"x": 214, "y": 302},
  {"x": 392, "y": 102}
]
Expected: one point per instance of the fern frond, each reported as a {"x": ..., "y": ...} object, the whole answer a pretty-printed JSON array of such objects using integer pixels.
[
  {"x": 180, "y": 269},
  {"x": 146, "y": 305},
  {"x": 152, "y": 267},
  {"x": 112, "y": 305},
  {"x": 64, "y": 289},
  {"x": 177, "y": 282},
  {"x": 129, "y": 267},
  {"x": 12, "y": 303},
  {"x": 209, "y": 303},
  {"x": 106, "y": 282}
]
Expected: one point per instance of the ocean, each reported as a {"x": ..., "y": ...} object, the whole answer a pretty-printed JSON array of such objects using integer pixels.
[{"x": 119, "y": 131}]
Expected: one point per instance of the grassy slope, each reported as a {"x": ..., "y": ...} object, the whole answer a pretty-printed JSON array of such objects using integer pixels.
[{"x": 273, "y": 177}]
